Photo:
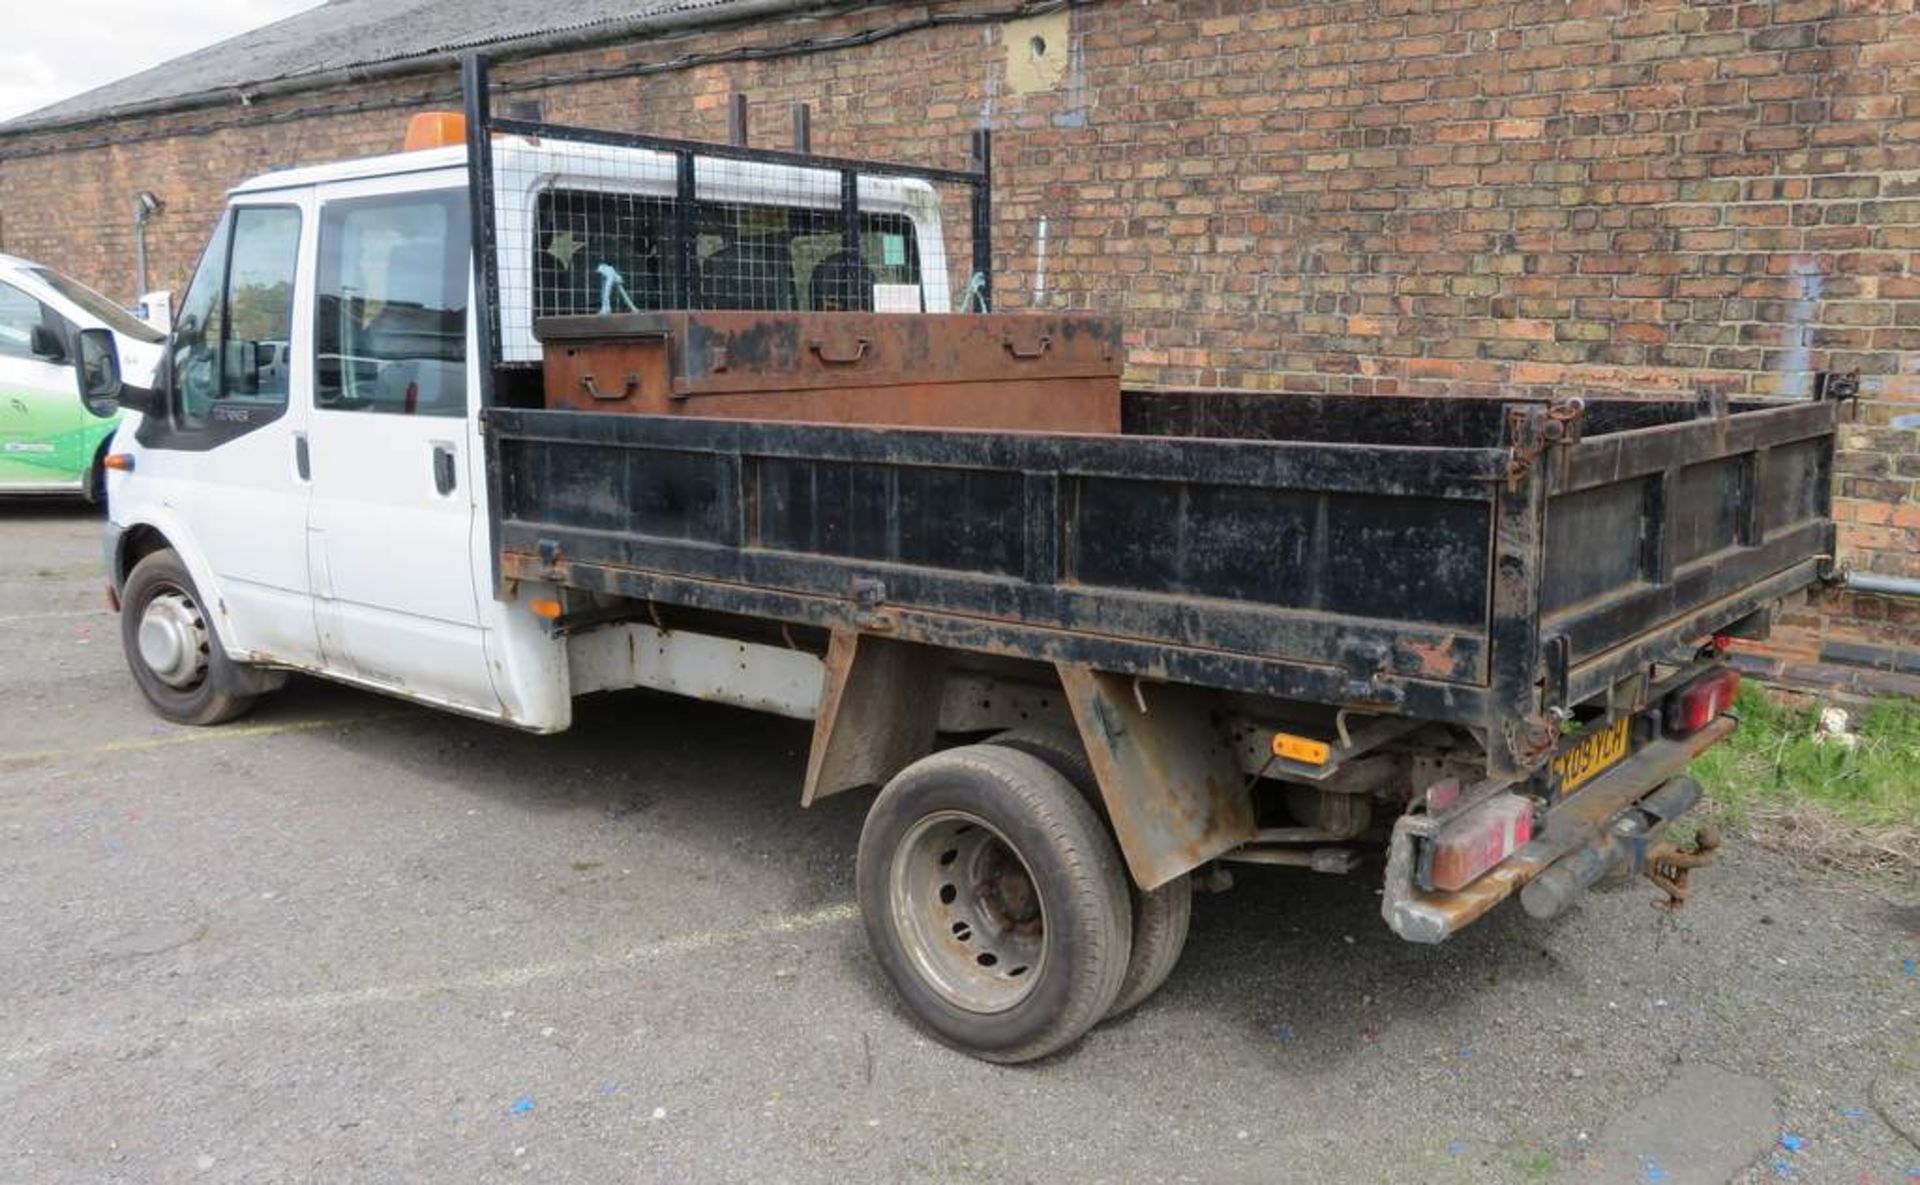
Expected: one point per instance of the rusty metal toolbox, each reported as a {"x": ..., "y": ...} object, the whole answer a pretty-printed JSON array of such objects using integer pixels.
[{"x": 1033, "y": 371}]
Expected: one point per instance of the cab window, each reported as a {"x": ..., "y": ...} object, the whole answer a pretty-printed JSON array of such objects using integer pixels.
[
  {"x": 234, "y": 335},
  {"x": 391, "y": 336}
]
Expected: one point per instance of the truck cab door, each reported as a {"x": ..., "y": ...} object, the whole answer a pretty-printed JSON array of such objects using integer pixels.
[
  {"x": 393, "y": 514},
  {"x": 44, "y": 438},
  {"x": 223, "y": 458}
]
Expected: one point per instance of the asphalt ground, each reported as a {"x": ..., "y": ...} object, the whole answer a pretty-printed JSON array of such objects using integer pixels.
[{"x": 348, "y": 939}]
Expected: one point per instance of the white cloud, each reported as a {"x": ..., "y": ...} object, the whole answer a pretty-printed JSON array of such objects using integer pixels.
[{"x": 55, "y": 50}]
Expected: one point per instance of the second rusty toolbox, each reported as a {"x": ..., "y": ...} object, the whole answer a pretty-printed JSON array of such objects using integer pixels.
[{"x": 1035, "y": 371}]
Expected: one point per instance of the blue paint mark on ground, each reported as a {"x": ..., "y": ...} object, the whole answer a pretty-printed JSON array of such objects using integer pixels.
[{"x": 522, "y": 1105}]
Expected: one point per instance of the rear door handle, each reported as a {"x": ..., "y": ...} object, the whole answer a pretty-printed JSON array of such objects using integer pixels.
[
  {"x": 443, "y": 468},
  {"x": 302, "y": 462}
]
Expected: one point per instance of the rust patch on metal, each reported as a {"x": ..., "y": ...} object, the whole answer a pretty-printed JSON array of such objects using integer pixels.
[{"x": 1434, "y": 658}]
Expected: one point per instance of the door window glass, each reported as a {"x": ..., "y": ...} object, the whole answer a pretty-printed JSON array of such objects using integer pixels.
[
  {"x": 20, "y": 315},
  {"x": 235, "y": 335},
  {"x": 392, "y": 307}
]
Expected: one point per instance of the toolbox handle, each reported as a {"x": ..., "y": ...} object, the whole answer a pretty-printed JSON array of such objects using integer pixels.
[
  {"x": 860, "y": 344},
  {"x": 1039, "y": 349},
  {"x": 594, "y": 392}
]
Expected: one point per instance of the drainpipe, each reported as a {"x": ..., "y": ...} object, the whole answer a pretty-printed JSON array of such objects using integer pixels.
[
  {"x": 1885, "y": 586},
  {"x": 145, "y": 206}
]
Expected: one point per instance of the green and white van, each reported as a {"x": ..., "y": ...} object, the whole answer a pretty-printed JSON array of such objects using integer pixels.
[{"x": 50, "y": 442}]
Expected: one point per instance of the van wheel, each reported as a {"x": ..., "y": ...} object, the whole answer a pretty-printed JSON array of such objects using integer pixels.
[
  {"x": 1161, "y": 917},
  {"x": 174, "y": 653},
  {"x": 994, "y": 901}
]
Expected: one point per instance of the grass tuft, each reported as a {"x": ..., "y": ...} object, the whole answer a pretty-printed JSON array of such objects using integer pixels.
[{"x": 1855, "y": 806}]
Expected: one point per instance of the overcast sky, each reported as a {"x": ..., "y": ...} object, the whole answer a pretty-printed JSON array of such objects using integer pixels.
[{"x": 55, "y": 48}]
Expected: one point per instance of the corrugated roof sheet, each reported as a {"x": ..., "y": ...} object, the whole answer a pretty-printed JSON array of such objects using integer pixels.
[{"x": 356, "y": 33}]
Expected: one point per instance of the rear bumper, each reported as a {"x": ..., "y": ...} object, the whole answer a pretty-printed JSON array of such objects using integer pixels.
[{"x": 1583, "y": 837}]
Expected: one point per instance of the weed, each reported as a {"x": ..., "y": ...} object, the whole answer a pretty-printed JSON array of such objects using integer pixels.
[{"x": 1777, "y": 778}]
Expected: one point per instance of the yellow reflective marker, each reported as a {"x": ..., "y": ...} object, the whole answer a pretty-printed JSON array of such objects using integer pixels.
[{"x": 1301, "y": 749}]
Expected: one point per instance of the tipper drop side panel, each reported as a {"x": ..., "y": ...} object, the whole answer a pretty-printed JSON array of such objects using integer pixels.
[{"x": 1518, "y": 558}]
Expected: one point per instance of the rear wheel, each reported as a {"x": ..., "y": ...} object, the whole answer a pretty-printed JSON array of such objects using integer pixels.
[
  {"x": 175, "y": 656},
  {"x": 994, "y": 901},
  {"x": 1161, "y": 916}
]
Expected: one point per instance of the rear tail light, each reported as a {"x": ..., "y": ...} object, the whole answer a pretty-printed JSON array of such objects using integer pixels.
[
  {"x": 1700, "y": 702},
  {"x": 1480, "y": 839}
]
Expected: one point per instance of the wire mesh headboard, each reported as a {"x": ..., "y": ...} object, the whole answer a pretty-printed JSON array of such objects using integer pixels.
[{"x": 571, "y": 220}]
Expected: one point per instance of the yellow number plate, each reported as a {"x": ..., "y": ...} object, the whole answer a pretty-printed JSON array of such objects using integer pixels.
[{"x": 1596, "y": 753}]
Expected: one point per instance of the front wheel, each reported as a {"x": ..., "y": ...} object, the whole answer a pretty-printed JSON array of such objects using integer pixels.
[
  {"x": 994, "y": 901},
  {"x": 175, "y": 656}
]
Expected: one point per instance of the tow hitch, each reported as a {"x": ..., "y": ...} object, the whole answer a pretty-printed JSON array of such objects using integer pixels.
[{"x": 1669, "y": 864}]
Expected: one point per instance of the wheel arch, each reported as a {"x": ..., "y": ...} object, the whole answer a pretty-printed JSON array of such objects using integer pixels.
[
  {"x": 96, "y": 479},
  {"x": 144, "y": 536},
  {"x": 136, "y": 543}
]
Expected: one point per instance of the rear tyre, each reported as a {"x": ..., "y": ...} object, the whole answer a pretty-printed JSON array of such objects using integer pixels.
[
  {"x": 1161, "y": 917},
  {"x": 171, "y": 647},
  {"x": 994, "y": 901}
]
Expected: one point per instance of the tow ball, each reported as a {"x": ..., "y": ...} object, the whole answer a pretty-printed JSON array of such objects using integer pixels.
[{"x": 1669, "y": 865}]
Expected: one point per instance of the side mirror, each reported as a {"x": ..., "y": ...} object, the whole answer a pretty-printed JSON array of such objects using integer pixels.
[
  {"x": 46, "y": 343},
  {"x": 99, "y": 367}
]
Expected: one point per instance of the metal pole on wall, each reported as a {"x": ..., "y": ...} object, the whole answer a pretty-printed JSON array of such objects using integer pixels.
[
  {"x": 145, "y": 206},
  {"x": 982, "y": 277}
]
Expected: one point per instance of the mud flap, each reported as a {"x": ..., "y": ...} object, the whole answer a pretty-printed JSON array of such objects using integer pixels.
[
  {"x": 1173, "y": 788},
  {"x": 879, "y": 710}
]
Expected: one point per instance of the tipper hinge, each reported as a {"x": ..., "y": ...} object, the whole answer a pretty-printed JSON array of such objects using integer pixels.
[{"x": 1529, "y": 436}]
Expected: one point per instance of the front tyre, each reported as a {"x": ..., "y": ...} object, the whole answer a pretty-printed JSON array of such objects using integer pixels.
[
  {"x": 994, "y": 901},
  {"x": 171, "y": 647}
]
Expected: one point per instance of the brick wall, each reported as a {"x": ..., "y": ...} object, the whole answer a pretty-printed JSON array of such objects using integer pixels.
[{"x": 1480, "y": 196}]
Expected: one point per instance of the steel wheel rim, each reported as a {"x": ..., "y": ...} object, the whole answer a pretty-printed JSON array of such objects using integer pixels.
[
  {"x": 968, "y": 912},
  {"x": 172, "y": 639}
]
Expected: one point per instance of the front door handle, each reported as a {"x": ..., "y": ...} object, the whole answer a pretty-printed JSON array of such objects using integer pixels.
[
  {"x": 443, "y": 468},
  {"x": 302, "y": 462}
]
